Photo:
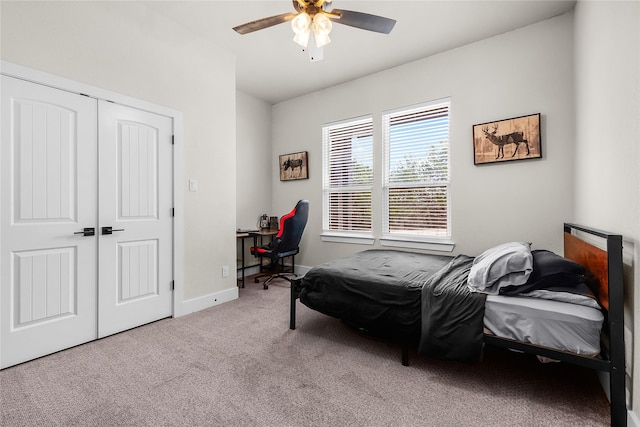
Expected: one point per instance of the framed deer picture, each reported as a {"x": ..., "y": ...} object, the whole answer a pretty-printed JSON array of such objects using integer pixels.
[
  {"x": 294, "y": 166},
  {"x": 504, "y": 140}
]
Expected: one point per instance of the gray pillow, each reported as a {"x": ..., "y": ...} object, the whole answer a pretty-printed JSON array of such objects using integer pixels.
[{"x": 508, "y": 264}]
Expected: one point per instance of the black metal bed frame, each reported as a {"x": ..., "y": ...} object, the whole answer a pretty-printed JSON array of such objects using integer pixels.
[{"x": 612, "y": 355}]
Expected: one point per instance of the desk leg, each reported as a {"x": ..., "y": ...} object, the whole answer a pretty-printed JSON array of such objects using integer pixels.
[{"x": 242, "y": 257}]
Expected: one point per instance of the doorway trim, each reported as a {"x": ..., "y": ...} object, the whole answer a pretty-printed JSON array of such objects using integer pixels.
[{"x": 46, "y": 79}]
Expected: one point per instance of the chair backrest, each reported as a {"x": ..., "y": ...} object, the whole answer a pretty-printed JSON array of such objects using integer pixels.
[{"x": 291, "y": 227}]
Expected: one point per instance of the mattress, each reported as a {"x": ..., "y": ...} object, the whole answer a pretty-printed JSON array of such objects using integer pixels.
[
  {"x": 378, "y": 291},
  {"x": 553, "y": 324}
]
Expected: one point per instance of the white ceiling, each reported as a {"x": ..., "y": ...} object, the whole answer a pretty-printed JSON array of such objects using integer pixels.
[{"x": 270, "y": 66}]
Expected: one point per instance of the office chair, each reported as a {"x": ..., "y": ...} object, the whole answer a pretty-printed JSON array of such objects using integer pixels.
[{"x": 285, "y": 243}]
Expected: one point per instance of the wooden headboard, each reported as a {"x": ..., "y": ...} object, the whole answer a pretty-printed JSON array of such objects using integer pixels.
[{"x": 594, "y": 259}]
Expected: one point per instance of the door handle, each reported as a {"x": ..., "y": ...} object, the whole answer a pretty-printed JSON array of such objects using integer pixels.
[
  {"x": 110, "y": 230},
  {"x": 88, "y": 231}
]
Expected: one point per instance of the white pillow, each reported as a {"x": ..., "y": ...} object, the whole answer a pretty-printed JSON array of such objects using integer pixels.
[{"x": 508, "y": 264}]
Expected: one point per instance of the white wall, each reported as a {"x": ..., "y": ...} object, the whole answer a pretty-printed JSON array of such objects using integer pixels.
[
  {"x": 253, "y": 167},
  {"x": 126, "y": 48},
  {"x": 525, "y": 71},
  {"x": 607, "y": 181},
  {"x": 253, "y": 159}
]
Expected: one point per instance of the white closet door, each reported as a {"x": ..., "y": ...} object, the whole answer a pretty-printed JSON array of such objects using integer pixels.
[
  {"x": 136, "y": 200},
  {"x": 48, "y": 193}
]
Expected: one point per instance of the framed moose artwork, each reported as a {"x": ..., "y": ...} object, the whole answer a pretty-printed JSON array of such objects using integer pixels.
[
  {"x": 294, "y": 166},
  {"x": 510, "y": 139}
]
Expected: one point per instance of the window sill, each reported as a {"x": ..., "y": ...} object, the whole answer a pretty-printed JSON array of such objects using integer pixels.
[
  {"x": 348, "y": 238},
  {"x": 408, "y": 242}
]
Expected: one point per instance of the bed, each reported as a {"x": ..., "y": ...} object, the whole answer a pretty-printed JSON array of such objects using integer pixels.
[{"x": 567, "y": 308}]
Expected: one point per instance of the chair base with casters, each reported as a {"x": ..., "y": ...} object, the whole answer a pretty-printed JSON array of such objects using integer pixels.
[{"x": 278, "y": 271}]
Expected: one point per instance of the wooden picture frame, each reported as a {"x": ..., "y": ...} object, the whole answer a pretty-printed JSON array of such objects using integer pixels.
[
  {"x": 517, "y": 138},
  {"x": 294, "y": 166}
]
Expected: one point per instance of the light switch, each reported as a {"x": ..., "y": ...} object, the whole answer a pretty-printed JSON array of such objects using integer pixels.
[{"x": 193, "y": 184}]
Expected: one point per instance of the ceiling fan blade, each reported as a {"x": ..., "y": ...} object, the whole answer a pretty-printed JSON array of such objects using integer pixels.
[
  {"x": 260, "y": 24},
  {"x": 365, "y": 21}
]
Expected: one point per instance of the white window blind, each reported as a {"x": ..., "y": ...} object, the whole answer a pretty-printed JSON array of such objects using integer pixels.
[
  {"x": 416, "y": 171},
  {"x": 347, "y": 165}
]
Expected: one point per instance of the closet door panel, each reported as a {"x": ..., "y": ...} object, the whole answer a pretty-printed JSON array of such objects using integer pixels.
[
  {"x": 136, "y": 181},
  {"x": 48, "y": 185}
]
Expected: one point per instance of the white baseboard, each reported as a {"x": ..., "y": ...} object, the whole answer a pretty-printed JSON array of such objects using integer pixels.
[
  {"x": 248, "y": 271},
  {"x": 200, "y": 303}
]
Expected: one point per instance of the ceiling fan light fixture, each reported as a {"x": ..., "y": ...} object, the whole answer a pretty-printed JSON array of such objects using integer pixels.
[
  {"x": 301, "y": 23},
  {"x": 322, "y": 39},
  {"x": 302, "y": 38},
  {"x": 321, "y": 24},
  {"x": 321, "y": 28},
  {"x": 301, "y": 26}
]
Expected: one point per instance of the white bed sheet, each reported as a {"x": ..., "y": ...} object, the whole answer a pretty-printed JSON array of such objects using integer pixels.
[{"x": 553, "y": 324}]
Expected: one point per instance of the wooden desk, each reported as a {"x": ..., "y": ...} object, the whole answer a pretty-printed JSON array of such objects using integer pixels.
[
  {"x": 253, "y": 234},
  {"x": 261, "y": 234}
]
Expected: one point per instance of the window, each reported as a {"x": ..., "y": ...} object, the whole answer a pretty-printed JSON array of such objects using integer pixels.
[
  {"x": 347, "y": 183},
  {"x": 416, "y": 173}
]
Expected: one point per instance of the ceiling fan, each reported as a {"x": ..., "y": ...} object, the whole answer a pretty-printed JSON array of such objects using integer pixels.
[{"x": 316, "y": 17}]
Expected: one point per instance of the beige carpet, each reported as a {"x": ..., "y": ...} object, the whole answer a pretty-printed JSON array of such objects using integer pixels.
[{"x": 238, "y": 364}]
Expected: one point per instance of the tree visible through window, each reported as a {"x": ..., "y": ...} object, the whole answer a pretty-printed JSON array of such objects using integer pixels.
[
  {"x": 416, "y": 171},
  {"x": 348, "y": 175}
]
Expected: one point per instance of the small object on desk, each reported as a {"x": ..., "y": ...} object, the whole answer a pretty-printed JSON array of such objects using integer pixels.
[
  {"x": 273, "y": 222},
  {"x": 264, "y": 221}
]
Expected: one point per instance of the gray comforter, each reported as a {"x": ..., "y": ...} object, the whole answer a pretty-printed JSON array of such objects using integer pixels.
[
  {"x": 377, "y": 291},
  {"x": 409, "y": 297},
  {"x": 452, "y": 315}
]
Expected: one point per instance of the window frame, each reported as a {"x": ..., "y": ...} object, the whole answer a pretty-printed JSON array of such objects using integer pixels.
[
  {"x": 414, "y": 240},
  {"x": 345, "y": 236}
]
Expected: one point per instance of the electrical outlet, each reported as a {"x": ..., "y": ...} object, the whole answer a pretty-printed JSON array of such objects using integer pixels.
[{"x": 225, "y": 271}]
